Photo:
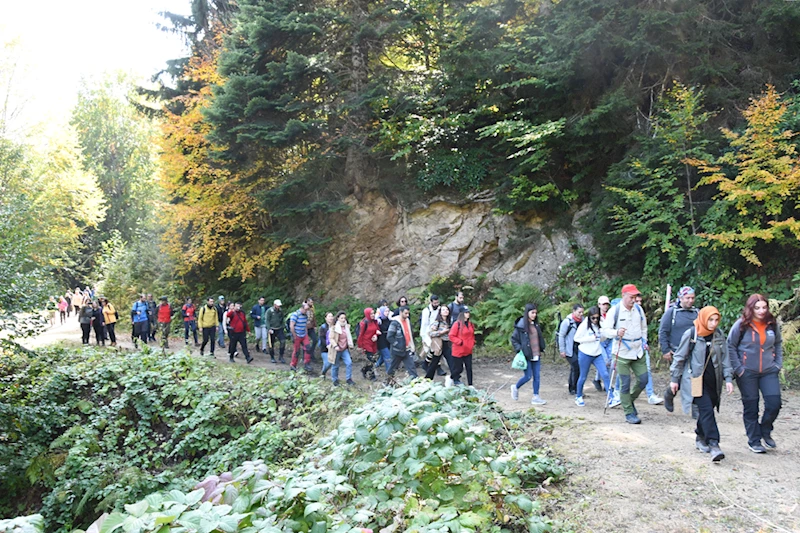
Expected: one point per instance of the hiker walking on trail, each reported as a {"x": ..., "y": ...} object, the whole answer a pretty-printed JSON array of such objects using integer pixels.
[
  {"x": 312, "y": 328},
  {"x": 604, "y": 304},
  {"x": 238, "y": 328},
  {"x": 298, "y": 325},
  {"x": 589, "y": 338},
  {"x": 164, "y": 313},
  {"x": 401, "y": 344},
  {"x": 110, "y": 317},
  {"x": 77, "y": 302},
  {"x": 342, "y": 343},
  {"x": 189, "y": 314},
  {"x": 152, "y": 312},
  {"x": 426, "y": 317},
  {"x": 221, "y": 308},
  {"x": 457, "y": 307},
  {"x": 627, "y": 325},
  {"x": 97, "y": 324},
  {"x": 756, "y": 351},
  {"x": 63, "y": 306},
  {"x": 567, "y": 345},
  {"x": 85, "y": 315},
  {"x": 326, "y": 349},
  {"x": 462, "y": 337},
  {"x": 141, "y": 321},
  {"x": 259, "y": 315},
  {"x": 440, "y": 345},
  {"x": 207, "y": 322},
  {"x": 277, "y": 333},
  {"x": 367, "y": 333},
  {"x": 676, "y": 321},
  {"x": 528, "y": 339},
  {"x": 384, "y": 319},
  {"x": 705, "y": 348}
]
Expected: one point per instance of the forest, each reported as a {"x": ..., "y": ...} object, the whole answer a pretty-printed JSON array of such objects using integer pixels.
[{"x": 675, "y": 122}]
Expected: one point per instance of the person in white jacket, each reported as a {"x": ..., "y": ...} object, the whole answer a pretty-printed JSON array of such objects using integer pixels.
[
  {"x": 426, "y": 319},
  {"x": 589, "y": 338},
  {"x": 342, "y": 342}
]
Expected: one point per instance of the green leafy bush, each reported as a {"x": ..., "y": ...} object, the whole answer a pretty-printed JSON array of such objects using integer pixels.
[
  {"x": 85, "y": 431},
  {"x": 419, "y": 458},
  {"x": 500, "y": 311}
]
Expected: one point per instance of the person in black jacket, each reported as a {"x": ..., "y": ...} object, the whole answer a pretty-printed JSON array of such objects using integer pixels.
[
  {"x": 384, "y": 317},
  {"x": 98, "y": 324},
  {"x": 528, "y": 339}
]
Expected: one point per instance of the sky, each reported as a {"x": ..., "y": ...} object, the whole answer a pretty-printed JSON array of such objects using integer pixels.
[{"x": 56, "y": 43}]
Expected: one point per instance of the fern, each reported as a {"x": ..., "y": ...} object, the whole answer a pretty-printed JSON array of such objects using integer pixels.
[{"x": 504, "y": 306}]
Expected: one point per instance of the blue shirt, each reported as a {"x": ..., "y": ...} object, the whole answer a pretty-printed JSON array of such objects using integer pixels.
[
  {"x": 300, "y": 321},
  {"x": 136, "y": 315}
]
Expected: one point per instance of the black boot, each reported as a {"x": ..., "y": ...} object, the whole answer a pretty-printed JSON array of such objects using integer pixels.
[{"x": 669, "y": 398}]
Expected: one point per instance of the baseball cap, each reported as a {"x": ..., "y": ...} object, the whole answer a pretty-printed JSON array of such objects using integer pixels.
[
  {"x": 630, "y": 288},
  {"x": 221, "y": 297},
  {"x": 277, "y": 303},
  {"x": 465, "y": 309},
  {"x": 603, "y": 300}
]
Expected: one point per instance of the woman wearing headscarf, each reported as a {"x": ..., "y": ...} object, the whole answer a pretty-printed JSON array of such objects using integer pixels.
[
  {"x": 705, "y": 348},
  {"x": 756, "y": 350}
]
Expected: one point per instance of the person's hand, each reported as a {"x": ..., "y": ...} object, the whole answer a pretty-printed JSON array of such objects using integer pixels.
[
  {"x": 674, "y": 387},
  {"x": 374, "y": 338},
  {"x": 667, "y": 356},
  {"x": 621, "y": 332},
  {"x": 729, "y": 387},
  {"x": 563, "y": 354},
  {"x": 271, "y": 332}
]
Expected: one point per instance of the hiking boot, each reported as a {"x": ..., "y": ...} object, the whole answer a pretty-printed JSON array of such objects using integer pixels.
[
  {"x": 231, "y": 360},
  {"x": 307, "y": 369},
  {"x": 635, "y": 411},
  {"x": 579, "y": 401},
  {"x": 201, "y": 353},
  {"x": 716, "y": 453},
  {"x": 274, "y": 362},
  {"x": 457, "y": 382},
  {"x": 632, "y": 419},
  {"x": 258, "y": 349},
  {"x": 598, "y": 385},
  {"x": 757, "y": 448},
  {"x": 769, "y": 443},
  {"x": 249, "y": 360},
  {"x": 655, "y": 399},
  {"x": 336, "y": 383},
  {"x": 537, "y": 401},
  {"x": 514, "y": 392},
  {"x": 351, "y": 382},
  {"x": 614, "y": 402},
  {"x": 701, "y": 445},
  {"x": 669, "y": 404},
  {"x": 281, "y": 361},
  {"x": 293, "y": 368}
]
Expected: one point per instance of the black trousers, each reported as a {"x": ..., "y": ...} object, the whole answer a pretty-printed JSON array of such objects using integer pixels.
[
  {"x": 407, "y": 360},
  {"x": 86, "y": 329},
  {"x": 750, "y": 383},
  {"x": 111, "y": 330},
  {"x": 209, "y": 334},
  {"x": 277, "y": 335},
  {"x": 99, "y": 334},
  {"x": 435, "y": 359},
  {"x": 459, "y": 364},
  {"x": 141, "y": 330},
  {"x": 574, "y": 373},
  {"x": 240, "y": 338}
]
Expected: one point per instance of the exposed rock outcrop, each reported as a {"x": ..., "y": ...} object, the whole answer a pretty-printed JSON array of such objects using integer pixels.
[{"x": 384, "y": 250}]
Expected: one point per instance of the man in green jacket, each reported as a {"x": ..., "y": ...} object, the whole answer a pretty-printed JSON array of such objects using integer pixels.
[{"x": 275, "y": 319}]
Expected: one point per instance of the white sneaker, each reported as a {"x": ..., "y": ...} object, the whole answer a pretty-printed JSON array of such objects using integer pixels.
[
  {"x": 614, "y": 402},
  {"x": 537, "y": 401},
  {"x": 448, "y": 381},
  {"x": 514, "y": 392},
  {"x": 579, "y": 401},
  {"x": 655, "y": 399}
]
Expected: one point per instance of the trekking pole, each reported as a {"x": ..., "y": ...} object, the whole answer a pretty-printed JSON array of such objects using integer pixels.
[{"x": 612, "y": 381}]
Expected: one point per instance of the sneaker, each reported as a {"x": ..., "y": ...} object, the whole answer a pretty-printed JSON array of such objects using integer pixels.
[
  {"x": 281, "y": 361},
  {"x": 448, "y": 381},
  {"x": 655, "y": 399},
  {"x": 716, "y": 453},
  {"x": 293, "y": 368},
  {"x": 351, "y": 382},
  {"x": 336, "y": 383},
  {"x": 457, "y": 382},
  {"x": 274, "y": 362},
  {"x": 579, "y": 401},
  {"x": 701, "y": 445},
  {"x": 537, "y": 401},
  {"x": 669, "y": 404},
  {"x": 249, "y": 360},
  {"x": 514, "y": 392},
  {"x": 236, "y": 354},
  {"x": 756, "y": 448},
  {"x": 258, "y": 349},
  {"x": 201, "y": 353},
  {"x": 769, "y": 443},
  {"x": 614, "y": 402},
  {"x": 231, "y": 360},
  {"x": 632, "y": 419},
  {"x": 598, "y": 385}
]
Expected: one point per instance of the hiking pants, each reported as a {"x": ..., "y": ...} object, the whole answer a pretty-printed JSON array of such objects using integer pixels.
[
  {"x": 574, "y": 372},
  {"x": 277, "y": 335},
  {"x": 261, "y": 333},
  {"x": 221, "y": 335},
  {"x": 532, "y": 372},
  {"x": 586, "y": 362},
  {"x": 111, "y": 329},
  {"x": 459, "y": 364},
  {"x": 626, "y": 368},
  {"x": 407, "y": 360},
  {"x": 433, "y": 366},
  {"x": 343, "y": 356},
  {"x": 706, "y": 421},
  {"x": 99, "y": 336},
  {"x": 163, "y": 328},
  {"x": 208, "y": 338},
  {"x": 750, "y": 383},
  {"x": 141, "y": 330},
  {"x": 240, "y": 338}
]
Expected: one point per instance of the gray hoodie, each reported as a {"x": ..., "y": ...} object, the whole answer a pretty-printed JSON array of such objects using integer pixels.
[{"x": 747, "y": 351}]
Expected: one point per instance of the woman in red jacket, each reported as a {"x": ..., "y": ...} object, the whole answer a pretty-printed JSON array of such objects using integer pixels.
[{"x": 462, "y": 339}]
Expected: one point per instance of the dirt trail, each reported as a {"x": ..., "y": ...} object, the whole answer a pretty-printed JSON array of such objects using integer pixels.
[{"x": 645, "y": 478}]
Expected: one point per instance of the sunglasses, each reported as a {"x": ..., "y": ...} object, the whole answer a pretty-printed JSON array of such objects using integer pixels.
[{"x": 595, "y": 318}]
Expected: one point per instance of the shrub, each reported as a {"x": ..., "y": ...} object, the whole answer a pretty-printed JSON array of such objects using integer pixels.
[
  {"x": 504, "y": 306},
  {"x": 419, "y": 458},
  {"x": 90, "y": 430}
]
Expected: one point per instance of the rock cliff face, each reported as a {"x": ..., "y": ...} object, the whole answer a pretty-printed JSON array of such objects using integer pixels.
[{"x": 383, "y": 250}]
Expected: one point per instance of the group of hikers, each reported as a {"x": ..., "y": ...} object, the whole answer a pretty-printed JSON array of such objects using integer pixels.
[{"x": 611, "y": 337}]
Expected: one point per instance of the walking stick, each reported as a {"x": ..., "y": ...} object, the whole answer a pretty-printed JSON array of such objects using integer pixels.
[{"x": 612, "y": 381}]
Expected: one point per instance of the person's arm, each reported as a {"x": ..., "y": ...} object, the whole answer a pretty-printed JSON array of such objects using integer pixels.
[
  {"x": 425, "y": 327},
  {"x": 664, "y": 330},
  {"x": 645, "y": 344},
  {"x": 562, "y": 336},
  {"x": 727, "y": 369},
  {"x": 292, "y": 321},
  {"x": 582, "y": 334},
  {"x": 455, "y": 337},
  {"x": 516, "y": 340},
  {"x": 679, "y": 357},
  {"x": 778, "y": 348},
  {"x": 734, "y": 337}
]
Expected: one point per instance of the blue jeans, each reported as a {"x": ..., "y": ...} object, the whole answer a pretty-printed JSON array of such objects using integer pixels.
[
  {"x": 384, "y": 357},
  {"x": 649, "y": 388},
  {"x": 348, "y": 365},
  {"x": 325, "y": 364},
  {"x": 585, "y": 362},
  {"x": 531, "y": 372}
]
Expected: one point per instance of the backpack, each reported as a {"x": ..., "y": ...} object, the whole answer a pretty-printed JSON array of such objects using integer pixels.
[
  {"x": 572, "y": 324},
  {"x": 638, "y": 308}
]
